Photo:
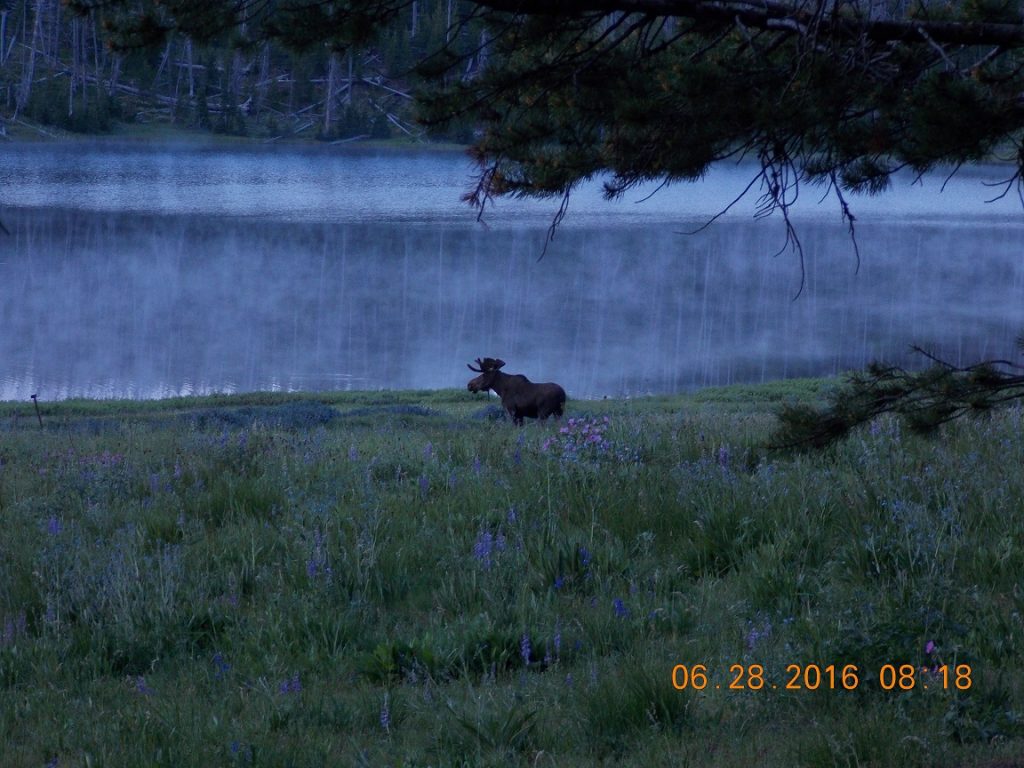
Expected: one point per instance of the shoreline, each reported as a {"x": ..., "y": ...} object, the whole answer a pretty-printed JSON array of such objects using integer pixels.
[{"x": 24, "y": 132}]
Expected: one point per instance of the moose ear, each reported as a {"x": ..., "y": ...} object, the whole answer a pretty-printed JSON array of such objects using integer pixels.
[{"x": 498, "y": 364}]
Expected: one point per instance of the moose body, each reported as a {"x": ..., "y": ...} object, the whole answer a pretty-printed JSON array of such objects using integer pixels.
[{"x": 520, "y": 397}]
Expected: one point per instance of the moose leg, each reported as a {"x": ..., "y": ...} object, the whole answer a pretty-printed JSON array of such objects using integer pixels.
[{"x": 555, "y": 411}]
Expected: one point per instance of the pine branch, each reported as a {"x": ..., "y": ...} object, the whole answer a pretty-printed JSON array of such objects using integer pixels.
[
  {"x": 768, "y": 15},
  {"x": 925, "y": 399}
]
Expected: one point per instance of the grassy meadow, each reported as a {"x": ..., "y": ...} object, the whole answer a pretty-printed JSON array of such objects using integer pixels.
[{"x": 401, "y": 579}]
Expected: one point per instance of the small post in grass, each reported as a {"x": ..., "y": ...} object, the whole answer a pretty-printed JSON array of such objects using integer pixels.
[{"x": 39, "y": 416}]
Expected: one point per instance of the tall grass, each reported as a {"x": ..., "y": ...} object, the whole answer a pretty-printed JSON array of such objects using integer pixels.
[{"x": 398, "y": 579}]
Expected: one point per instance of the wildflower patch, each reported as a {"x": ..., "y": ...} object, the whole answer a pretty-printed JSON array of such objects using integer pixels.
[{"x": 583, "y": 440}]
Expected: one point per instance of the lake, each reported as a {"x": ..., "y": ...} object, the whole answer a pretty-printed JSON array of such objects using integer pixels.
[{"x": 138, "y": 271}]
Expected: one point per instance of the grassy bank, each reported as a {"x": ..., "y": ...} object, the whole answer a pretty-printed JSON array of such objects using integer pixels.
[{"x": 400, "y": 579}]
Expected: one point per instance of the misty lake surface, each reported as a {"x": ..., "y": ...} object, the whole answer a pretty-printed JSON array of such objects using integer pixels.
[{"x": 149, "y": 271}]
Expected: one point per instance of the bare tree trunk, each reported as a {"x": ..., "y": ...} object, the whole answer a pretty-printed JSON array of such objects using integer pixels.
[
  {"x": 264, "y": 78},
  {"x": 47, "y": 42},
  {"x": 97, "y": 58},
  {"x": 95, "y": 46},
  {"x": 115, "y": 73},
  {"x": 237, "y": 71},
  {"x": 3, "y": 36},
  {"x": 332, "y": 70},
  {"x": 351, "y": 79},
  {"x": 83, "y": 59},
  {"x": 53, "y": 46},
  {"x": 6, "y": 54},
  {"x": 28, "y": 73},
  {"x": 291, "y": 87},
  {"x": 191, "y": 71},
  {"x": 177, "y": 90},
  {"x": 73, "y": 79},
  {"x": 163, "y": 65}
]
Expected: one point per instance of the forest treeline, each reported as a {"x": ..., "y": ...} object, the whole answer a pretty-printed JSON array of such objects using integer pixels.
[{"x": 57, "y": 69}]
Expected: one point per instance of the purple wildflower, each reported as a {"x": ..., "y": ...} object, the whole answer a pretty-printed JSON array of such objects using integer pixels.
[
  {"x": 244, "y": 751},
  {"x": 221, "y": 666},
  {"x": 483, "y": 549},
  {"x": 584, "y": 557},
  {"x": 929, "y": 648},
  {"x": 353, "y": 453},
  {"x": 53, "y": 526},
  {"x": 755, "y": 635},
  {"x": 385, "y": 715},
  {"x": 290, "y": 685},
  {"x": 525, "y": 649},
  {"x": 13, "y": 628},
  {"x": 621, "y": 611},
  {"x": 723, "y": 457}
]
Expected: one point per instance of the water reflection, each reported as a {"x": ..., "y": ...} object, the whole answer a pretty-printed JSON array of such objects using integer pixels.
[{"x": 141, "y": 305}]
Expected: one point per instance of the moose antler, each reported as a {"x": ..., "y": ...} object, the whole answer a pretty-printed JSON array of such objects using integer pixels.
[{"x": 487, "y": 364}]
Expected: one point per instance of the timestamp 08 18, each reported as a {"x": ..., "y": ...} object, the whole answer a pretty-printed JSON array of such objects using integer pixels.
[{"x": 813, "y": 677}]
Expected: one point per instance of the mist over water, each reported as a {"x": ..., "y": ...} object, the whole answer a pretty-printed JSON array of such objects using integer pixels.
[{"x": 148, "y": 273}]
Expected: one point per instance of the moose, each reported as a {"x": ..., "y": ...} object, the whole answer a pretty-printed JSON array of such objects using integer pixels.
[{"x": 520, "y": 397}]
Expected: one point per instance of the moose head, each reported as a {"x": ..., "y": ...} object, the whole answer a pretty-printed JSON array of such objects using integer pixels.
[
  {"x": 520, "y": 397},
  {"x": 488, "y": 369}
]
